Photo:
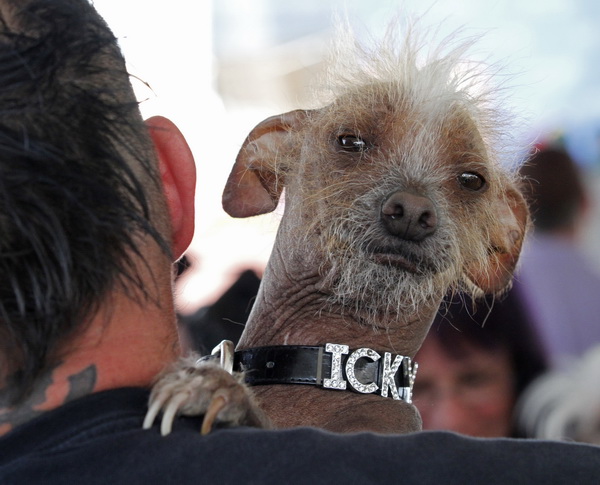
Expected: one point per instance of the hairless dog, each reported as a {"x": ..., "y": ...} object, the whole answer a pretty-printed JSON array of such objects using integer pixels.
[{"x": 395, "y": 194}]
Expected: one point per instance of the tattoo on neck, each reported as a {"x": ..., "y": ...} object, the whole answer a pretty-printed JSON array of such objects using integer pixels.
[{"x": 80, "y": 384}]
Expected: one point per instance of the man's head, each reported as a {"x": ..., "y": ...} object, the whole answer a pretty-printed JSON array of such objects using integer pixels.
[{"x": 82, "y": 210}]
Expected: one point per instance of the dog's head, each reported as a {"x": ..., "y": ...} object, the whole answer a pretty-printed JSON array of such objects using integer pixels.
[{"x": 394, "y": 187}]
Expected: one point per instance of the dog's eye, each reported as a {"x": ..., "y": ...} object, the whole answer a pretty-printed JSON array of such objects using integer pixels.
[
  {"x": 471, "y": 181},
  {"x": 352, "y": 143}
]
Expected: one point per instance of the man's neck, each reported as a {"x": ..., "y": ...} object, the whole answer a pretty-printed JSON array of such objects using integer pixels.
[
  {"x": 129, "y": 349},
  {"x": 59, "y": 385}
]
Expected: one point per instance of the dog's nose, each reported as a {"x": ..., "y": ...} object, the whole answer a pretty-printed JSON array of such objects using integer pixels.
[{"x": 409, "y": 216}]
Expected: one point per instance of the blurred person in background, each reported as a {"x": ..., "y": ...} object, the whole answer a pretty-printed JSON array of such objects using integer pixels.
[
  {"x": 559, "y": 288},
  {"x": 474, "y": 364},
  {"x": 564, "y": 404}
]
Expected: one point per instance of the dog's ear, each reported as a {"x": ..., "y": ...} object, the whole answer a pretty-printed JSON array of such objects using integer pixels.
[
  {"x": 505, "y": 240},
  {"x": 257, "y": 178}
]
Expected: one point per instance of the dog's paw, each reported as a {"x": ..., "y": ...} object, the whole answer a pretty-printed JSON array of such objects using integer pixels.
[{"x": 195, "y": 387}]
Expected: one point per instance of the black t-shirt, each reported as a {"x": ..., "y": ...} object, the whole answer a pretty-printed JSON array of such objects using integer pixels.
[{"x": 99, "y": 440}]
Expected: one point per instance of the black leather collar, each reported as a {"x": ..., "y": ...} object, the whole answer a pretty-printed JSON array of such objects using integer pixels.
[{"x": 331, "y": 366}]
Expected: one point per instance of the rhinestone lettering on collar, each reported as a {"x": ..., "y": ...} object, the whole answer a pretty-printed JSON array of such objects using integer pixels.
[
  {"x": 351, "y": 363},
  {"x": 337, "y": 381},
  {"x": 388, "y": 371}
]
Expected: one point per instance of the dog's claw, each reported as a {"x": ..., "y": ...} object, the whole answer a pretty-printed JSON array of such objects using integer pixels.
[
  {"x": 217, "y": 404},
  {"x": 153, "y": 411},
  {"x": 166, "y": 425}
]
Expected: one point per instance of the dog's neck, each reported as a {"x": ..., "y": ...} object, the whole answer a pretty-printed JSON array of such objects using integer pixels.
[
  {"x": 294, "y": 311},
  {"x": 293, "y": 308}
]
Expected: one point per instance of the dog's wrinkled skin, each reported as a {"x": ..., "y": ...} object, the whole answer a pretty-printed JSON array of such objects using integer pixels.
[{"x": 394, "y": 194}]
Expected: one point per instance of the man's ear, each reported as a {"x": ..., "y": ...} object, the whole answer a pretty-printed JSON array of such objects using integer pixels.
[{"x": 178, "y": 174}]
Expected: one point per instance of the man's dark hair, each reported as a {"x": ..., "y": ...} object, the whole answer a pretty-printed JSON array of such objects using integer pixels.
[
  {"x": 554, "y": 190},
  {"x": 72, "y": 203}
]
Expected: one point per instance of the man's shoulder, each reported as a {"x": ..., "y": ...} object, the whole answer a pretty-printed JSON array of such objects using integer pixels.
[{"x": 100, "y": 440}]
